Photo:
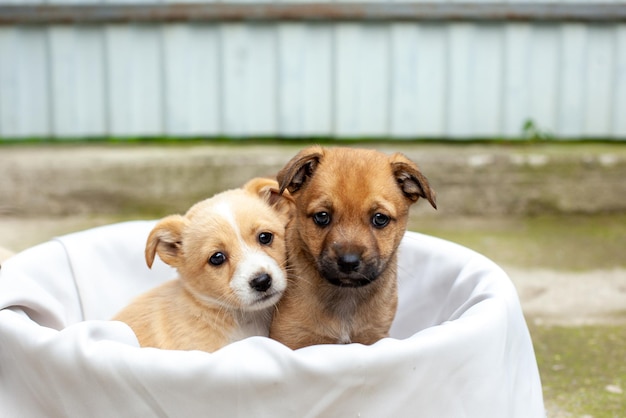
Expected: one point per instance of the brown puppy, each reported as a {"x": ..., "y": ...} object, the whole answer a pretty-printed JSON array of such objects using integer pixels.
[
  {"x": 230, "y": 254},
  {"x": 351, "y": 213}
]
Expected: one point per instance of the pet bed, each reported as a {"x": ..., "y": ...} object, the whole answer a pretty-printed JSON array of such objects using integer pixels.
[{"x": 459, "y": 345}]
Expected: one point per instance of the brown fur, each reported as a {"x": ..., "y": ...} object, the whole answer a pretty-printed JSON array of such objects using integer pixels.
[
  {"x": 201, "y": 310},
  {"x": 352, "y": 186}
]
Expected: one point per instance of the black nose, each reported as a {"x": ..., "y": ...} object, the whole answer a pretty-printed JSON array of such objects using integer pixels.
[
  {"x": 261, "y": 283},
  {"x": 349, "y": 262}
]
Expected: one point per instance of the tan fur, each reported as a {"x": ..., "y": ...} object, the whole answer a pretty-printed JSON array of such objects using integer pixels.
[
  {"x": 201, "y": 309},
  {"x": 352, "y": 186}
]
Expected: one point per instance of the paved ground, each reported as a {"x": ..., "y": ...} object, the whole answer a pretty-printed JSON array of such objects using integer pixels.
[{"x": 551, "y": 297}]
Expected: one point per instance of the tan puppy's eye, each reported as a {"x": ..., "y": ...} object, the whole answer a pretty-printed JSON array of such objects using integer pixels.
[
  {"x": 321, "y": 218},
  {"x": 380, "y": 220},
  {"x": 266, "y": 238},
  {"x": 217, "y": 259}
]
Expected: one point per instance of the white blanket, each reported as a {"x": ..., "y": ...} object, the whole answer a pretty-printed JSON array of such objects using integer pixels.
[{"x": 459, "y": 348}]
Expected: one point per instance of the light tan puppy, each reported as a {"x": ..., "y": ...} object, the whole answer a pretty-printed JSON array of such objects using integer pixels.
[
  {"x": 351, "y": 213},
  {"x": 229, "y": 251}
]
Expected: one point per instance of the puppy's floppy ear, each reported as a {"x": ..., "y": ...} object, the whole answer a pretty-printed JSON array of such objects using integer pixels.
[
  {"x": 411, "y": 181},
  {"x": 260, "y": 185},
  {"x": 166, "y": 240},
  {"x": 293, "y": 175},
  {"x": 268, "y": 190}
]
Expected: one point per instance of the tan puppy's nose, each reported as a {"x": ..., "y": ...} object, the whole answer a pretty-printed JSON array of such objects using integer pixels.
[{"x": 261, "y": 283}]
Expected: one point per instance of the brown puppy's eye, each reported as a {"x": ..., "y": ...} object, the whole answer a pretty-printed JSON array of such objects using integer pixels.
[
  {"x": 321, "y": 218},
  {"x": 266, "y": 238},
  {"x": 217, "y": 259},
  {"x": 380, "y": 221}
]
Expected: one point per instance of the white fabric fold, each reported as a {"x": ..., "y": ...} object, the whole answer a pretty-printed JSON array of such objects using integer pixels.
[{"x": 459, "y": 346}]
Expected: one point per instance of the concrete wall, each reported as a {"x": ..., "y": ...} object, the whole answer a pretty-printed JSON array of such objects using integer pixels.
[{"x": 156, "y": 180}]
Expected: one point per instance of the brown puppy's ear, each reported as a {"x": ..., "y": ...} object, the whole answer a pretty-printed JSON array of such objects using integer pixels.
[
  {"x": 166, "y": 239},
  {"x": 268, "y": 190},
  {"x": 293, "y": 175},
  {"x": 411, "y": 181}
]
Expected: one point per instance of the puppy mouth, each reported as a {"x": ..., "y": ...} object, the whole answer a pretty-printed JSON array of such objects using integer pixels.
[
  {"x": 267, "y": 299},
  {"x": 353, "y": 279},
  {"x": 348, "y": 282}
]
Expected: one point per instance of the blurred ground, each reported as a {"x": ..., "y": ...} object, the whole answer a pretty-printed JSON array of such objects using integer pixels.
[{"x": 552, "y": 215}]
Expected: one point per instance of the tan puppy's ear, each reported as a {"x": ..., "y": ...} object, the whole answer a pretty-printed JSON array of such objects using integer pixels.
[
  {"x": 260, "y": 186},
  {"x": 282, "y": 202},
  {"x": 268, "y": 190},
  {"x": 293, "y": 175},
  {"x": 411, "y": 181},
  {"x": 166, "y": 240}
]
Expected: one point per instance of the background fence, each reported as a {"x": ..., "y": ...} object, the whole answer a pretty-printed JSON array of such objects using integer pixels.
[{"x": 335, "y": 70}]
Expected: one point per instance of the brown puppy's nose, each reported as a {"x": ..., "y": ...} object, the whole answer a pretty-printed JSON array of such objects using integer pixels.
[
  {"x": 348, "y": 262},
  {"x": 261, "y": 283}
]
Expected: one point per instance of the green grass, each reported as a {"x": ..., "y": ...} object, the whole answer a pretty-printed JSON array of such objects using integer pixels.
[
  {"x": 570, "y": 243},
  {"x": 582, "y": 369},
  {"x": 523, "y": 140}
]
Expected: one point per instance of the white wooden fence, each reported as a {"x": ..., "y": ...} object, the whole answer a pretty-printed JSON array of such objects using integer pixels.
[{"x": 381, "y": 78}]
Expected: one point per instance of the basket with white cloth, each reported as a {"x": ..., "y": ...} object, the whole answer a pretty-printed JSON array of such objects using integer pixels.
[{"x": 459, "y": 345}]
